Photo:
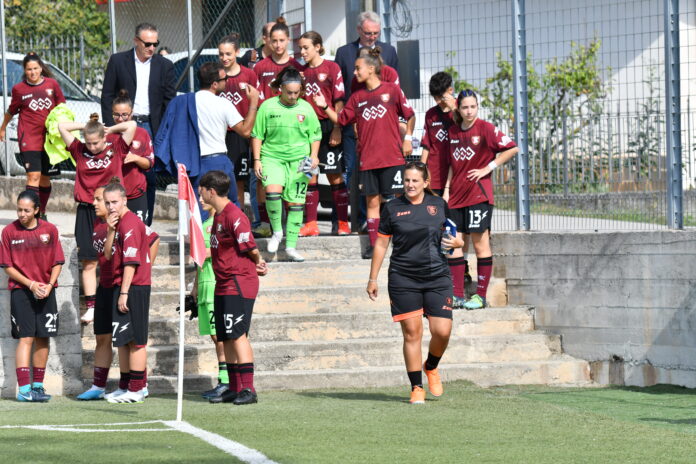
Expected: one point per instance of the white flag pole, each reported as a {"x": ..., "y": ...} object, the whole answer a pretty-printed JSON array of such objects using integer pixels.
[{"x": 183, "y": 230}]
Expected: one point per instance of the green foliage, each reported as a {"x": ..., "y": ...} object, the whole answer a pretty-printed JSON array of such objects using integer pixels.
[{"x": 644, "y": 142}]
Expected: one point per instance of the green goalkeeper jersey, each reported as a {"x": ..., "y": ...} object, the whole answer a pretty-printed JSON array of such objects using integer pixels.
[
  {"x": 286, "y": 131},
  {"x": 206, "y": 276}
]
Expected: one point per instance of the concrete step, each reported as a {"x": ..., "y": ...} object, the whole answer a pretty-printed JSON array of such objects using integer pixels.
[
  {"x": 341, "y": 326},
  {"x": 347, "y": 354},
  {"x": 320, "y": 298},
  {"x": 559, "y": 370}
]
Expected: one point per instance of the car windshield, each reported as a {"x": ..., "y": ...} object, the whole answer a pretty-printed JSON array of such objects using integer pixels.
[{"x": 15, "y": 73}]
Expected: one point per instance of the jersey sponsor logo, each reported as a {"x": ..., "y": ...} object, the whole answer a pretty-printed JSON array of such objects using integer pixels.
[
  {"x": 402, "y": 213},
  {"x": 432, "y": 210},
  {"x": 131, "y": 252},
  {"x": 274, "y": 116},
  {"x": 505, "y": 141},
  {"x": 244, "y": 237},
  {"x": 45, "y": 238},
  {"x": 17, "y": 242},
  {"x": 136, "y": 144},
  {"x": 475, "y": 139},
  {"x": 362, "y": 104},
  {"x": 39, "y": 104},
  {"x": 301, "y": 117},
  {"x": 453, "y": 141},
  {"x": 322, "y": 76},
  {"x": 340, "y": 87},
  {"x": 214, "y": 241},
  {"x": 234, "y": 97},
  {"x": 268, "y": 73},
  {"x": 374, "y": 112},
  {"x": 385, "y": 97},
  {"x": 461, "y": 153},
  {"x": 441, "y": 135},
  {"x": 312, "y": 89},
  {"x": 100, "y": 164},
  {"x": 436, "y": 123},
  {"x": 27, "y": 96}
]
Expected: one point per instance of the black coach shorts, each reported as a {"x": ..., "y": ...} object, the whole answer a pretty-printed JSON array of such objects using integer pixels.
[
  {"x": 32, "y": 317},
  {"x": 138, "y": 206},
  {"x": 382, "y": 181},
  {"x": 35, "y": 161},
  {"x": 330, "y": 158},
  {"x": 474, "y": 219},
  {"x": 412, "y": 296},
  {"x": 84, "y": 226},
  {"x": 232, "y": 316},
  {"x": 133, "y": 325},
  {"x": 238, "y": 153},
  {"x": 103, "y": 307}
]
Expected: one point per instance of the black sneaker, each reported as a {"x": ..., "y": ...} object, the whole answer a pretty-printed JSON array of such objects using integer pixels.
[
  {"x": 227, "y": 397},
  {"x": 367, "y": 254},
  {"x": 40, "y": 394},
  {"x": 217, "y": 391},
  {"x": 246, "y": 396}
]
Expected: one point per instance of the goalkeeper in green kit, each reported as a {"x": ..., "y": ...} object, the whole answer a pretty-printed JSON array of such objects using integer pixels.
[
  {"x": 285, "y": 144},
  {"x": 204, "y": 293}
]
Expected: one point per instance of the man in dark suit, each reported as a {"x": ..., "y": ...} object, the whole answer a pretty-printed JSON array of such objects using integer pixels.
[
  {"x": 368, "y": 31},
  {"x": 149, "y": 80}
]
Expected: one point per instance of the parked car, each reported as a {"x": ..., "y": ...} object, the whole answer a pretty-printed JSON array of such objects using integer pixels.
[
  {"x": 77, "y": 100},
  {"x": 180, "y": 60}
]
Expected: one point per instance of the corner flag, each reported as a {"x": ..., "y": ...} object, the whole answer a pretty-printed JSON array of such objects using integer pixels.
[{"x": 190, "y": 217}]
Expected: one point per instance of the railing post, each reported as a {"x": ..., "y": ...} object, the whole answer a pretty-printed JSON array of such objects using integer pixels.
[
  {"x": 519, "y": 65},
  {"x": 675, "y": 213}
]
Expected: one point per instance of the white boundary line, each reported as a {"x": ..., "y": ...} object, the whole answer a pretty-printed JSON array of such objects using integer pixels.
[
  {"x": 241, "y": 452},
  {"x": 233, "y": 448}
]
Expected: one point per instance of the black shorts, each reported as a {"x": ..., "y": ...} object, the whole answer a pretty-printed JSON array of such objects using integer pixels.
[
  {"x": 84, "y": 227},
  {"x": 32, "y": 317},
  {"x": 330, "y": 158},
  {"x": 474, "y": 219},
  {"x": 411, "y": 296},
  {"x": 382, "y": 181},
  {"x": 232, "y": 316},
  {"x": 133, "y": 325},
  {"x": 103, "y": 308},
  {"x": 139, "y": 207},
  {"x": 238, "y": 153},
  {"x": 35, "y": 161}
]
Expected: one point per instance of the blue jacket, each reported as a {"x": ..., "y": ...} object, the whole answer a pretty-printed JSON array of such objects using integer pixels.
[
  {"x": 177, "y": 138},
  {"x": 345, "y": 58}
]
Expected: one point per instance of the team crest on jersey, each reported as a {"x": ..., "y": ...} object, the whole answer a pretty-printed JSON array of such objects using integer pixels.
[
  {"x": 301, "y": 117},
  {"x": 384, "y": 97},
  {"x": 219, "y": 228},
  {"x": 432, "y": 210},
  {"x": 210, "y": 229},
  {"x": 49, "y": 92},
  {"x": 136, "y": 144},
  {"x": 475, "y": 139},
  {"x": 45, "y": 238},
  {"x": 322, "y": 76}
]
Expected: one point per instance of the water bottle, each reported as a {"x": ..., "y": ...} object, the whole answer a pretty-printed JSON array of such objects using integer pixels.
[{"x": 451, "y": 231}]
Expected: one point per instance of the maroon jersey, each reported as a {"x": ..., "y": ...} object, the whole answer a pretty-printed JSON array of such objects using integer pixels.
[
  {"x": 266, "y": 70},
  {"x": 33, "y": 102},
  {"x": 376, "y": 113},
  {"x": 94, "y": 171},
  {"x": 388, "y": 74},
  {"x": 327, "y": 79},
  {"x": 235, "y": 89},
  {"x": 469, "y": 149},
  {"x": 230, "y": 240},
  {"x": 132, "y": 247},
  {"x": 435, "y": 139},
  {"x": 33, "y": 252},
  {"x": 106, "y": 270},
  {"x": 133, "y": 177}
]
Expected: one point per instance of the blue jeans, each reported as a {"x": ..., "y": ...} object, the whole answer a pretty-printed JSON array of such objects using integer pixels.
[
  {"x": 216, "y": 162},
  {"x": 151, "y": 177}
]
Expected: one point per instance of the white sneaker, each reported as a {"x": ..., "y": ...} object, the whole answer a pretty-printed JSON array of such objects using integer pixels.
[
  {"x": 94, "y": 393},
  {"x": 274, "y": 242},
  {"x": 128, "y": 397},
  {"x": 88, "y": 316},
  {"x": 145, "y": 391},
  {"x": 294, "y": 255},
  {"x": 116, "y": 393}
]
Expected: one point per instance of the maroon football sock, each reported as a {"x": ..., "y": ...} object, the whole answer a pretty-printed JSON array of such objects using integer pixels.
[
  {"x": 232, "y": 373},
  {"x": 23, "y": 375},
  {"x": 311, "y": 203},
  {"x": 484, "y": 269},
  {"x": 339, "y": 193},
  {"x": 44, "y": 195},
  {"x": 90, "y": 301},
  {"x": 124, "y": 381},
  {"x": 39, "y": 374},
  {"x": 100, "y": 376},
  {"x": 457, "y": 269},
  {"x": 372, "y": 228},
  {"x": 246, "y": 372},
  {"x": 137, "y": 381}
]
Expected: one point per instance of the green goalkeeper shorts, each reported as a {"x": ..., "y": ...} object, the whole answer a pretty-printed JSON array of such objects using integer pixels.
[{"x": 284, "y": 173}]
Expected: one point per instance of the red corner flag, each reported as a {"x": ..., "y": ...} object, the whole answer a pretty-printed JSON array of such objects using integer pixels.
[{"x": 190, "y": 218}]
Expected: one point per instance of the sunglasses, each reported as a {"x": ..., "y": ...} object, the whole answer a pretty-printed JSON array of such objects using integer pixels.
[
  {"x": 121, "y": 115},
  {"x": 149, "y": 44},
  {"x": 416, "y": 164},
  {"x": 370, "y": 34},
  {"x": 466, "y": 93}
]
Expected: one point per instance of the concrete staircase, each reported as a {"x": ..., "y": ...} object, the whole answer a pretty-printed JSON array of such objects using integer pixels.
[{"x": 314, "y": 327}]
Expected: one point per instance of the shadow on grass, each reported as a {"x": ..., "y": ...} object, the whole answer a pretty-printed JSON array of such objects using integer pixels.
[
  {"x": 354, "y": 396},
  {"x": 669, "y": 421}
]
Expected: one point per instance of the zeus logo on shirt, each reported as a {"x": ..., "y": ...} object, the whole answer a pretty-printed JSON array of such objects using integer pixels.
[
  {"x": 461, "y": 154},
  {"x": 269, "y": 73},
  {"x": 374, "y": 112}
]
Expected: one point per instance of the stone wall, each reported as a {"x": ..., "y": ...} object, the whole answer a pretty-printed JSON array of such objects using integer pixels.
[{"x": 624, "y": 301}]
